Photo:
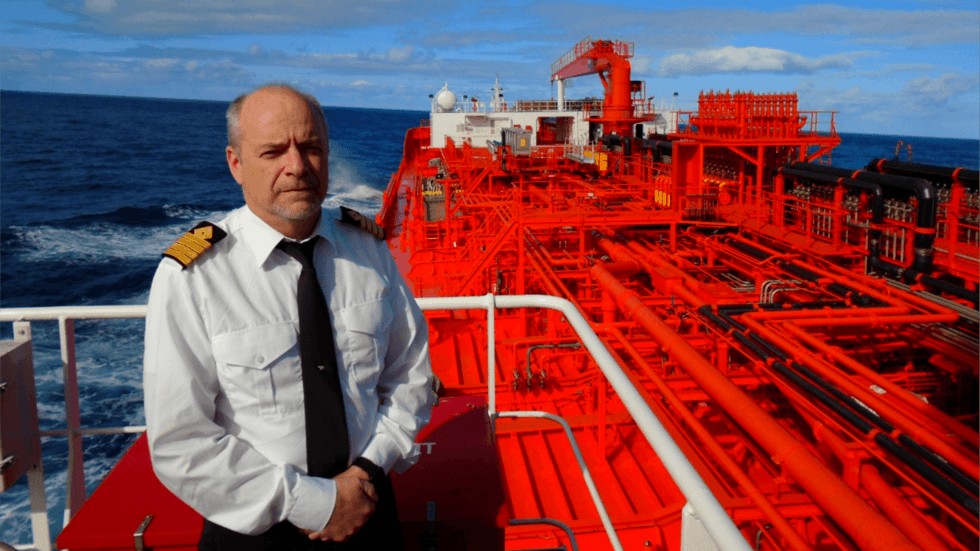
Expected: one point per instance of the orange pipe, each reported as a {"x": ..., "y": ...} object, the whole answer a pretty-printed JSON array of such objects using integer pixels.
[
  {"x": 900, "y": 419},
  {"x": 899, "y": 510},
  {"x": 731, "y": 467},
  {"x": 658, "y": 260},
  {"x": 874, "y": 321},
  {"x": 863, "y": 524},
  {"x": 884, "y": 496},
  {"x": 968, "y": 434},
  {"x": 840, "y": 275},
  {"x": 621, "y": 254}
]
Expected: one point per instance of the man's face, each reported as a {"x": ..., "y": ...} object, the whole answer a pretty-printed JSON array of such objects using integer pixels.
[{"x": 281, "y": 163}]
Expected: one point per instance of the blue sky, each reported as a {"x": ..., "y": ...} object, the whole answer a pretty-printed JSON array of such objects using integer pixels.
[{"x": 888, "y": 67}]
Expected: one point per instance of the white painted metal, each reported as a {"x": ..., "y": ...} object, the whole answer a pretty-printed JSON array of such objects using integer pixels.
[
  {"x": 134, "y": 429},
  {"x": 35, "y": 477},
  {"x": 491, "y": 355},
  {"x": 718, "y": 523},
  {"x": 72, "y": 312},
  {"x": 477, "y": 123},
  {"x": 75, "y": 491},
  {"x": 39, "y": 510},
  {"x": 715, "y": 520},
  {"x": 446, "y": 99},
  {"x": 694, "y": 535}
]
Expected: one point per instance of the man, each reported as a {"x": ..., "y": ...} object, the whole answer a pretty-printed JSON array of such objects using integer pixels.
[{"x": 228, "y": 373}]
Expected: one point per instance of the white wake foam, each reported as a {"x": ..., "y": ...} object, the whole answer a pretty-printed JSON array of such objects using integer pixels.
[{"x": 106, "y": 240}]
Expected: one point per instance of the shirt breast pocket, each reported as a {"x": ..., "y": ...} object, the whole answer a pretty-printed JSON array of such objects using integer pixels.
[
  {"x": 366, "y": 339},
  {"x": 259, "y": 369}
]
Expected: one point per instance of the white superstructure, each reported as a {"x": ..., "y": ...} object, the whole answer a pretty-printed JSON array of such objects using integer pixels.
[
  {"x": 477, "y": 122},
  {"x": 550, "y": 122}
]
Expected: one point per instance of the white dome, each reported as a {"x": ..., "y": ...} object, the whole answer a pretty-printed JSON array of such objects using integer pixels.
[{"x": 446, "y": 99}]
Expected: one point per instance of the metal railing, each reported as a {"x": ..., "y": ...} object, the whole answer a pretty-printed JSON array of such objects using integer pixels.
[
  {"x": 583, "y": 46},
  {"x": 712, "y": 516}
]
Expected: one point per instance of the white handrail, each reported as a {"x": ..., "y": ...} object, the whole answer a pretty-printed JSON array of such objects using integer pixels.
[{"x": 718, "y": 524}]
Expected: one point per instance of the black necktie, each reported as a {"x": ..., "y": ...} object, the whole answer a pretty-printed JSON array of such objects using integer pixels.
[{"x": 327, "y": 442}]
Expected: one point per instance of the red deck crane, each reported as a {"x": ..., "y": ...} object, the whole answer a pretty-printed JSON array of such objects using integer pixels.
[{"x": 610, "y": 60}]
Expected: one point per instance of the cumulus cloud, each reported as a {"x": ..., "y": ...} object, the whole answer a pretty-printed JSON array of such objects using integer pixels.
[
  {"x": 944, "y": 106},
  {"x": 641, "y": 64},
  {"x": 747, "y": 60},
  {"x": 400, "y": 55},
  {"x": 196, "y": 17},
  {"x": 136, "y": 72},
  {"x": 943, "y": 87},
  {"x": 454, "y": 40},
  {"x": 691, "y": 27}
]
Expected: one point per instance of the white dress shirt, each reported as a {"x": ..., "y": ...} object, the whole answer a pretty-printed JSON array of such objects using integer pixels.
[{"x": 223, "y": 382}]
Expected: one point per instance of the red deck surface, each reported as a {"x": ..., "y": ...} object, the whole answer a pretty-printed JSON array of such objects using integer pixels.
[
  {"x": 115, "y": 510},
  {"x": 457, "y": 473}
]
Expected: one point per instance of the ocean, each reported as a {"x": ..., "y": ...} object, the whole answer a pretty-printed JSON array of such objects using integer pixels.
[{"x": 93, "y": 189}]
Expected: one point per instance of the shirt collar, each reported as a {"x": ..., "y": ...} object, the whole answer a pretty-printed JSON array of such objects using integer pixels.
[{"x": 262, "y": 238}]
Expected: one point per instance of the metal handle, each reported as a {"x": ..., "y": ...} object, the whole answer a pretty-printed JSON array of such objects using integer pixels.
[{"x": 138, "y": 534}]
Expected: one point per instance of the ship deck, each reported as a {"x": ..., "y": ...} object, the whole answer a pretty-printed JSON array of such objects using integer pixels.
[{"x": 743, "y": 333}]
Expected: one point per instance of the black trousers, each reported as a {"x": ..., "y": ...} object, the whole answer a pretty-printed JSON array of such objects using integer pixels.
[{"x": 382, "y": 531}]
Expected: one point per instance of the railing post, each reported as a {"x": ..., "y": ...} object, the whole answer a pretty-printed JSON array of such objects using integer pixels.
[
  {"x": 75, "y": 476},
  {"x": 35, "y": 476},
  {"x": 491, "y": 359}
]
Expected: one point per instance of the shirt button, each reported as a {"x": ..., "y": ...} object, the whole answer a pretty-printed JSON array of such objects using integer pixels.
[{"x": 260, "y": 359}]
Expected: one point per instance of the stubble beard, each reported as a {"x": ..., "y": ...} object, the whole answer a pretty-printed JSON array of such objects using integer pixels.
[{"x": 296, "y": 214}]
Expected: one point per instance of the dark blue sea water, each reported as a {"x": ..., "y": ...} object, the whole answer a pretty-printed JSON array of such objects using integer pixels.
[{"x": 92, "y": 189}]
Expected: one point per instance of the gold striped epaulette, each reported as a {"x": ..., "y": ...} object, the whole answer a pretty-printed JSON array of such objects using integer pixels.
[
  {"x": 194, "y": 243},
  {"x": 353, "y": 218}
]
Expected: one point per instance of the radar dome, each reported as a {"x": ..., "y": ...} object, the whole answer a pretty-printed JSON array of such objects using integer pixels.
[{"x": 446, "y": 99}]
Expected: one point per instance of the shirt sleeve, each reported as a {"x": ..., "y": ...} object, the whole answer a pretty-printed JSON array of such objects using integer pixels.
[
  {"x": 220, "y": 476},
  {"x": 405, "y": 384}
]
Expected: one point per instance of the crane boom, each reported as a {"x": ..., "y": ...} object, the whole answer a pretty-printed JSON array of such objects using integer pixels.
[
  {"x": 610, "y": 60},
  {"x": 586, "y": 59}
]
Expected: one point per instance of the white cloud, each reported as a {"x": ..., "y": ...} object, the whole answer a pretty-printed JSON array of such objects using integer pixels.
[
  {"x": 190, "y": 65},
  {"x": 926, "y": 106},
  {"x": 100, "y": 6},
  {"x": 945, "y": 86},
  {"x": 254, "y": 49},
  {"x": 693, "y": 27},
  {"x": 360, "y": 83},
  {"x": 400, "y": 55},
  {"x": 197, "y": 17},
  {"x": 641, "y": 63},
  {"x": 747, "y": 60},
  {"x": 161, "y": 63}
]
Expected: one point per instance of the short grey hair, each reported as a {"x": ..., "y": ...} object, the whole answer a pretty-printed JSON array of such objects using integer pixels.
[{"x": 234, "y": 113}]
